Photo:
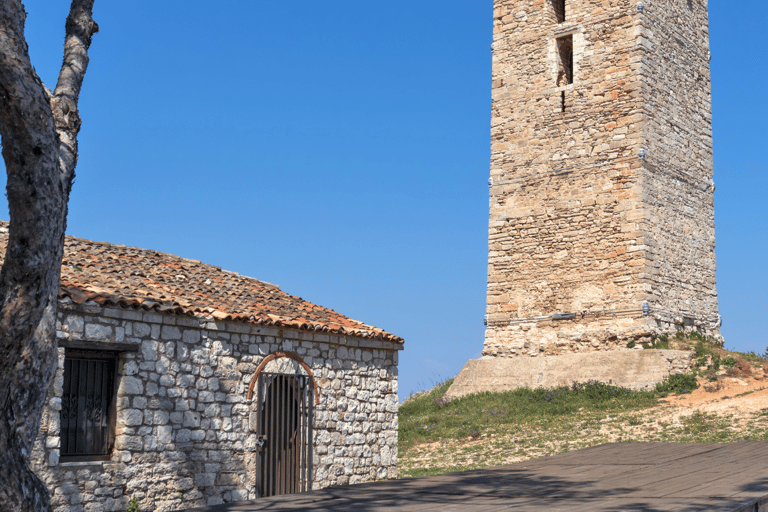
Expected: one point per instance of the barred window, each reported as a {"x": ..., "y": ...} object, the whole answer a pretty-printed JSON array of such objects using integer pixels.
[{"x": 88, "y": 405}]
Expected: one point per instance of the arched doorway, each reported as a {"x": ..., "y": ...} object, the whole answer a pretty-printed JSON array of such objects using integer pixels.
[{"x": 285, "y": 413}]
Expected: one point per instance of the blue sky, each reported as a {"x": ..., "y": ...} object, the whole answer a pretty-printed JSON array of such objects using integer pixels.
[{"x": 340, "y": 150}]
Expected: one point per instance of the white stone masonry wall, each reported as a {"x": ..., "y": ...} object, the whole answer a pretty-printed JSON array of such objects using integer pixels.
[{"x": 185, "y": 433}]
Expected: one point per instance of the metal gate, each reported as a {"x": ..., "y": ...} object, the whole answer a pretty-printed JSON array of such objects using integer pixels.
[{"x": 284, "y": 429}]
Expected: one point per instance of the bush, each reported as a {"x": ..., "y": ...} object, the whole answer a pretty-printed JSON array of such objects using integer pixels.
[
  {"x": 700, "y": 349},
  {"x": 728, "y": 362},
  {"x": 679, "y": 384},
  {"x": 741, "y": 369},
  {"x": 599, "y": 392},
  {"x": 662, "y": 342}
]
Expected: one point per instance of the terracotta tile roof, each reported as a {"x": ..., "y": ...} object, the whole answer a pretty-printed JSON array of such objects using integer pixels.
[{"x": 136, "y": 278}]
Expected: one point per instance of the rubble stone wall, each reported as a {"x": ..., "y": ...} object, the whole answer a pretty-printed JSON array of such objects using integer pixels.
[
  {"x": 185, "y": 430},
  {"x": 679, "y": 223},
  {"x": 583, "y": 230}
]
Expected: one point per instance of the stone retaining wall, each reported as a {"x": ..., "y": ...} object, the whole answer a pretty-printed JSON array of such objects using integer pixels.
[{"x": 634, "y": 369}]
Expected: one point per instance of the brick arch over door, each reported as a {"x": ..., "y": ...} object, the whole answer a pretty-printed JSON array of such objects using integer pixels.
[{"x": 276, "y": 355}]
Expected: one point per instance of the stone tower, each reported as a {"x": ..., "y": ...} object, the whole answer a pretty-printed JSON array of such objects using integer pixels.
[{"x": 601, "y": 223}]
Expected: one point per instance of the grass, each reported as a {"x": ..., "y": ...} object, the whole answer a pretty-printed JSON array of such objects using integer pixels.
[
  {"x": 488, "y": 429},
  {"x": 428, "y": 418}
]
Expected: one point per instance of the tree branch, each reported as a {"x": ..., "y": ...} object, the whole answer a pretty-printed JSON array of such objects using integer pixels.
[{"x": 80, "y": 28}]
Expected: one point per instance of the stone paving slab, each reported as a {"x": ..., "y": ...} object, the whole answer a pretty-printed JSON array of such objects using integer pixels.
[{"x": 647, "y": 477}]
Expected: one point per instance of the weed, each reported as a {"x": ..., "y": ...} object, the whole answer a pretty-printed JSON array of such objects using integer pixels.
[
  {"x": 545, "y": 395},
  {"x": 436, "y": 381},
  {"x": 697, "y": 423},
  {"x": 661, "y": 342},
  {"x": 440, "y": 401},
  {"x": 678, "y": 384},
  {"x": 598, "y": 392},
  {"x": 728, "y": 362},
  {"x": 741, "y": 369},
  {"x": 712, "y": 389},
  {"x": 753, "y": 356},
  {"x": 703, "y": 427},
  {"x": 700, "y": 349},
  {"x": 133, "y": 505},
  {"x": 631, "y": 344}
]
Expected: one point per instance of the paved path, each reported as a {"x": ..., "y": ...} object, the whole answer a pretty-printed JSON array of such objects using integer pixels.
[{"x": 644, "y": 477}]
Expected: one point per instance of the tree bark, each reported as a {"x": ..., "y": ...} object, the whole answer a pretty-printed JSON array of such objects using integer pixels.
[{"x": 38, "y": 131}]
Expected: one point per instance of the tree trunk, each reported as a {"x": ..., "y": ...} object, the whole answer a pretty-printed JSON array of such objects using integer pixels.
[{"x": 39, "y": 146}]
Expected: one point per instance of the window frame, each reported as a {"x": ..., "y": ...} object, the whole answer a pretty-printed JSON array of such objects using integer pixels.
[{"x": 97, "y": 351}]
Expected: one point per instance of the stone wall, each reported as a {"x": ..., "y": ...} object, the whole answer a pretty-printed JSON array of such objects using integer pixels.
[
  {"x": 679, "y": 220},
  {"x": 633, "y": 369},
  {"x": 185, "y": 430},
  {"x": 586, "y": 227}
]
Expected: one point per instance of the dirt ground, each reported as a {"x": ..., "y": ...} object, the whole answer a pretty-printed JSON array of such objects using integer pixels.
[{"x": 732, "y": 395}]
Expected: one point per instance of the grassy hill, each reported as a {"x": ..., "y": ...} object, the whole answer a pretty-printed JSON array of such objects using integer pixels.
[{"x": 489, "y": 429}]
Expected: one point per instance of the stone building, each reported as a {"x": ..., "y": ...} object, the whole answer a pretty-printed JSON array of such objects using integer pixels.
[
  {"x": 601, "y": 226},
  {"x": 181, "y": 385}
]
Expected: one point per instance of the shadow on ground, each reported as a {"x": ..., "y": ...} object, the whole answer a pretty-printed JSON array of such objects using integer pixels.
[{"x": 653, "y": 477}]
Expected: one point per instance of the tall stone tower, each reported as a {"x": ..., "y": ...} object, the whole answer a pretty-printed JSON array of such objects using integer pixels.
[{"x": 601, "y": 195}]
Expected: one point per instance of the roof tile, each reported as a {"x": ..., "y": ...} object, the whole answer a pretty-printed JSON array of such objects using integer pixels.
[{"x": 131, "y": 277}]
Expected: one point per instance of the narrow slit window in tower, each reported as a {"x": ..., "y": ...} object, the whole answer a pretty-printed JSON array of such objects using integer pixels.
[
  {"x": 562, "y": 101},
  {"x": 559, "y": 6},
  {"x": 565, "y": 60}
]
